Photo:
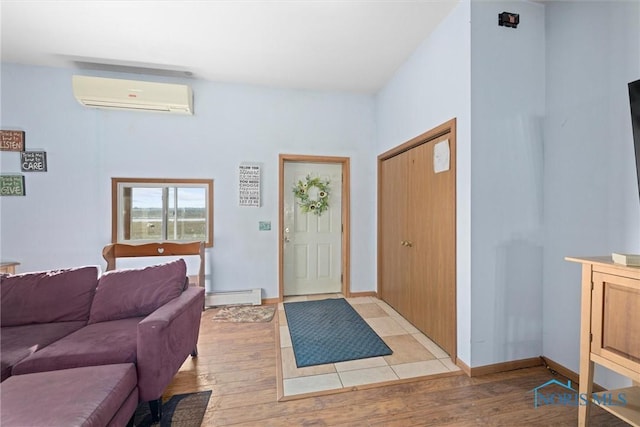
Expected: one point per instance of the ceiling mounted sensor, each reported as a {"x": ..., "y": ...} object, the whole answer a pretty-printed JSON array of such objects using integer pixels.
[{"x": 119, "y": 94}]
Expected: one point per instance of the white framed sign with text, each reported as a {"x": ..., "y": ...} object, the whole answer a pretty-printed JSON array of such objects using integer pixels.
[{"x": 249, "y": 177}]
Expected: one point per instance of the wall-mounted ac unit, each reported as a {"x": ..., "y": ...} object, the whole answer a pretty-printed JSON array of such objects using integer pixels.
[{"x": 100, "y": 92}]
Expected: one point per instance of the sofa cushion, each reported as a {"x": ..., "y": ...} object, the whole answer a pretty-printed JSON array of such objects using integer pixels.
[
  {"x": 95, "y": 396},
  {"x": 137, "y": 292},
  {"x": 19, "y": 342},
  {"x": 35, "y": 297},
  {"x": 94, "y": 345}
]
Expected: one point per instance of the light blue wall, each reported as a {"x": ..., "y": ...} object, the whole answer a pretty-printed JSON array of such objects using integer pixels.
[
  {"x": 591, "y": 204},
  {"x": 524, "y": 172},
  {"x": 507, "y": 110},
  {"x": 65, "y": 219},
  {"x": 432, "y": 87},
  {"x": 542, "y": 105}
]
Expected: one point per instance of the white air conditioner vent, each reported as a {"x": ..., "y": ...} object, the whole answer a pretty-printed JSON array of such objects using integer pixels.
[{"x": 100, "y": 92}]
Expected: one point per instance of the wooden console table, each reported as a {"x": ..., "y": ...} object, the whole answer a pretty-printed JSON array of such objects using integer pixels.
[
  {"x": 8, "y": 267},
  {"x": 610, "y": 335}
]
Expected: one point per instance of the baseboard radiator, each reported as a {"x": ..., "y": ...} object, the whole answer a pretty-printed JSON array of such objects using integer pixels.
[{"x": 248, "y": 297}]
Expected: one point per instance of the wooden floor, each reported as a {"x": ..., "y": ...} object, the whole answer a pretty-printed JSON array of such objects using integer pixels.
[{"x": 237, "y": 361}]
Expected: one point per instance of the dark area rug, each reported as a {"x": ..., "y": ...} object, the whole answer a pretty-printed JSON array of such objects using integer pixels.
[
  {"x": 330, "y": 331},
  {"x": 181, "y": 410}
]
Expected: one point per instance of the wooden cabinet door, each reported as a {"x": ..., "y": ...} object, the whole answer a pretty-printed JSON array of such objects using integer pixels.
[
  {"x": 417, "y": 234},
  {"x": 419, "y": 247},
  {"x": 615, "y": 318},
  {"x": 392, "y": 229},
  {"x": 432, "y": 231}
]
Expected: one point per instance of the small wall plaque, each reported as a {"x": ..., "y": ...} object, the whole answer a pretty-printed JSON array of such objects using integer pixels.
[
  {"x": 264, "y": 225},
  {"x": 11, "y": 140},
  {"x": 12, "y": 185},
  {"x": 33, "y": 161}
]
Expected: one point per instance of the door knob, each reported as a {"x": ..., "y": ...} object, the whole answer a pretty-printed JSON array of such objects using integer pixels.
[{"x": 286, "y": 239}]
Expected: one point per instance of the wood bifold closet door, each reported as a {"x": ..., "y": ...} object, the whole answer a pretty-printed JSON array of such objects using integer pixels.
[{"x": 416, "y": 224}]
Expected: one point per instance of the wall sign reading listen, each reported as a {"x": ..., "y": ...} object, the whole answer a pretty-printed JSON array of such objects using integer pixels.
[{"x": 11, "y": 140}]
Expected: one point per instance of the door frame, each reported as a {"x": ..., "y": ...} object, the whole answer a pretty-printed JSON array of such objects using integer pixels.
[{"x": 345, "y": 215}]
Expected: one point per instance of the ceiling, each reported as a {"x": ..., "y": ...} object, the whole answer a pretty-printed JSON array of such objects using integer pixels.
[{"x": 344, "y": 45}]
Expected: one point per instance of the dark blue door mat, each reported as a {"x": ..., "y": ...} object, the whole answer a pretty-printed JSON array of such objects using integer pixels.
[{"x": 330, "y": 331}]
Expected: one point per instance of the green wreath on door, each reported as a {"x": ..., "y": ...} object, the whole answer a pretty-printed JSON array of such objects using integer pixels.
[{"x": 312, "y": 195}]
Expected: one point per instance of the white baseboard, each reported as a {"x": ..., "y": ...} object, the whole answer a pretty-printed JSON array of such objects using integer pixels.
[{"x": 251, "y": 296}]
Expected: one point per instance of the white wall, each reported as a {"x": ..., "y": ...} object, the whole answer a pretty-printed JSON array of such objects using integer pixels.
[
  {"x": 507, "y": 112},
  {"x": 65, "y": 218},
  {"x": 433, "y": 86},
  {"x": 591, "y": 196}
]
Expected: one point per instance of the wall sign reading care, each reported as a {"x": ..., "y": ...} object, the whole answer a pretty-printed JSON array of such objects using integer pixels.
[{"x": 33, "y": 161}]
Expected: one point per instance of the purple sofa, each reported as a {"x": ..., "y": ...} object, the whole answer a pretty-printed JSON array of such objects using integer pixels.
[{"x": 72, "y": 318}]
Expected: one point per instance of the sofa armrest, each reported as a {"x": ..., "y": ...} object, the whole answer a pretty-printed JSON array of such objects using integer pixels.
[{"x": 165, "y": 338}]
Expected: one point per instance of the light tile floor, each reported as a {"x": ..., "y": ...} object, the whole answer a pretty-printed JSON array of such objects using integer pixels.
[{"x": 414, "y": 355}]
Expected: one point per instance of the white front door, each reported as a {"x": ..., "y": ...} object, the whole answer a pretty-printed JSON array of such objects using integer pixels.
[{"x": 312, "y": 240}]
